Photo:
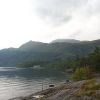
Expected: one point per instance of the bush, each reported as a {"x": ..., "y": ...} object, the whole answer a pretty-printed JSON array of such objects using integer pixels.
[
  {"x": 89, "y": 88},
  {"x": 82, "y": 73}
]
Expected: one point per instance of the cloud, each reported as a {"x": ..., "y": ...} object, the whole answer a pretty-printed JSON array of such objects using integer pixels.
[
  {"x": 46, "y": 20},
  {"x": 79, "y": 16},
  {"x": 59, "y": 11}
]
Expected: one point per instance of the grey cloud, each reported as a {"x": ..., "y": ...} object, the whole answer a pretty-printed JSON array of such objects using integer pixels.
[
  {"x": 80, "y": 16},
  {"x": 59, "y": 11}
]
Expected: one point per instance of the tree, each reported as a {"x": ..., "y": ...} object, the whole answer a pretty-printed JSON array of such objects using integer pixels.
[
  {"x": 82, "y": 73},
  {"x": 94, "y": 58}
]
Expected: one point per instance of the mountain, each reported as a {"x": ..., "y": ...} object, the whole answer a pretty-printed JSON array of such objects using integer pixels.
[
  {"x": 38, "y": 51},
  {"x": 30, "y": 45},
  {"x": 65, "y": 40}
]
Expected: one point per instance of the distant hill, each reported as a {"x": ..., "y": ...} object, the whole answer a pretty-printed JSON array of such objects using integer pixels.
[
  {"x": 65, "y": 40},
  {"x": 31, "y": 45},
  {"x": 38, "y": 51}
]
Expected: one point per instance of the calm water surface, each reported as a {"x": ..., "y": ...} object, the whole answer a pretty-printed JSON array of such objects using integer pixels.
[{"x": 15, "y": 82}]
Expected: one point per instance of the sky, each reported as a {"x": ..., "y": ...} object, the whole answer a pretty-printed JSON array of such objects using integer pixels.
[{"x": 47, "y": 20}]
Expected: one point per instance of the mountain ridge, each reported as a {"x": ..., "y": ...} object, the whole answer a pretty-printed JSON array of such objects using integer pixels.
[
  {"x": 38, "y": 51},
  {"x": 65, "y": 40}
]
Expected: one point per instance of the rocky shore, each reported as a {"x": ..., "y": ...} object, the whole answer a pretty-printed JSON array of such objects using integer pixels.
[{"x": 81, "y": 90}]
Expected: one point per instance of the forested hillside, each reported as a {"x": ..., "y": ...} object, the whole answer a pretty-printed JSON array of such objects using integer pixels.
[{"x": 48, "y": 52}]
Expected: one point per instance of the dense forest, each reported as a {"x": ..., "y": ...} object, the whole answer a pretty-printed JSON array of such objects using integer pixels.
[
  {"x": 59, "y": 53},
  {"x": 92, "y": 60}
]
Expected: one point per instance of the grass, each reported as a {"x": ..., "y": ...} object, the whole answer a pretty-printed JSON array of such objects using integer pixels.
[{"x": 88, "y": 88}]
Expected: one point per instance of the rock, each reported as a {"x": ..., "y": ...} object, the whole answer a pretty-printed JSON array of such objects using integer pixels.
[{"x": 66, "y": 92}]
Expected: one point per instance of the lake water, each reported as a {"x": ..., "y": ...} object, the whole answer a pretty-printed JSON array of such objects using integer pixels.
[{"x": 15, "y": 82}]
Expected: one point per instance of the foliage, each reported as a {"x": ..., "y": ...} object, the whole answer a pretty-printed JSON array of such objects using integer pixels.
[
  {"x": 34, "y": 51},
  {"x": 88, "y": 88},
  {"x": 82, "y": 73},
  {"x": 94, "y": 58}
]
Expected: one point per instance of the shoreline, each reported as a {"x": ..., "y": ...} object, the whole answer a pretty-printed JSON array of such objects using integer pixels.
[
  {"x": 38, "y": 93},
  {"x": 68, "y": 91}
]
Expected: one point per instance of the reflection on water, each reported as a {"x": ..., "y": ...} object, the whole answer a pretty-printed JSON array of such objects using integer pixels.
[{"x": 15, "y": 82}]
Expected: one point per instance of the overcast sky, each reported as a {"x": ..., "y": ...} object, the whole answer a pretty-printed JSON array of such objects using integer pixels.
[{"x": 46, "y": 20}]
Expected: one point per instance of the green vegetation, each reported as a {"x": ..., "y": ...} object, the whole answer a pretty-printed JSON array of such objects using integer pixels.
[
  {"x": 92, "y": 60},
  {"x": 88, "y": 88},
  {"x": 84, "y": 67},
  {"x": 90, "y": 64},
  {"x": 49, "y": 52},
  {"x": 82, "y": 73}
]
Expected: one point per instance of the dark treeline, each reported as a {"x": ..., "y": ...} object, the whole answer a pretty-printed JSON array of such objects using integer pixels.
[{"x": 92, "y": 60}]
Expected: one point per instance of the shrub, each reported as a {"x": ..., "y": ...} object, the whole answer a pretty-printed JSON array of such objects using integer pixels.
[
  {"x": 82, "y": 73},
  {"x": 88, "y": 88}
]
